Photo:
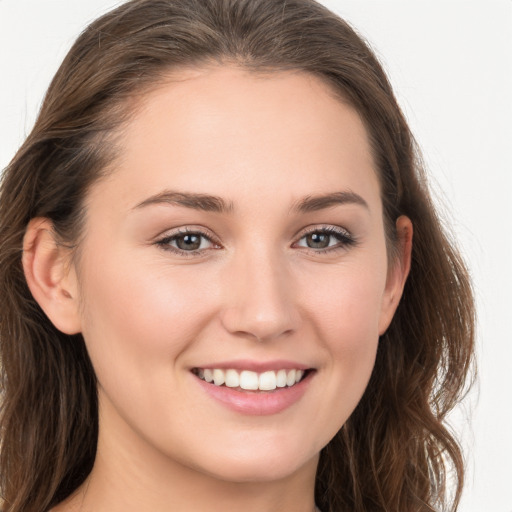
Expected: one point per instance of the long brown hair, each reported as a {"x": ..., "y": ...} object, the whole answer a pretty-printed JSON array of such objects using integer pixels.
[{"x": 395, "y": 452}]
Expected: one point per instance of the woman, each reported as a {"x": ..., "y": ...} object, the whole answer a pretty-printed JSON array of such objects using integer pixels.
[{"x": 211, "y": 297}]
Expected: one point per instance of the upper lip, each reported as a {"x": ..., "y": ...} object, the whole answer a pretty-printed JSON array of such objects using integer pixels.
[{"x": 256, "y": 366}]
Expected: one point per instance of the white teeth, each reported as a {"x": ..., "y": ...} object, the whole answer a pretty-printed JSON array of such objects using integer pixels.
[
  {"x": 281, "y": 378},
  {"x": 219, "y": 377},
  {"x": 249, "y": 380},
  {"x": 268, "y": 381},
  {"x": 232, "y": 379}
]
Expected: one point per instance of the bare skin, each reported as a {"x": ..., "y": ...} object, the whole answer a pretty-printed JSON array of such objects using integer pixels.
[{"x": 262, "y": 275}]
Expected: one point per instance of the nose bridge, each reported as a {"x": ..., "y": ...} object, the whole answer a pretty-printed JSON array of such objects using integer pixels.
[{"x": 260, "y": 301}]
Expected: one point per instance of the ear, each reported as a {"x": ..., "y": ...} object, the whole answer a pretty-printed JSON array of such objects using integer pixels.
[
  {"x": 50, "y": 276},
  {"x": 397, "y": 273}
]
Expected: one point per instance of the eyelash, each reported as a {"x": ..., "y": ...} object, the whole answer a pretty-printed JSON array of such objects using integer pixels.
[
  {"x": 344, "y": 238},
  {"x": 165, "y": 243}
]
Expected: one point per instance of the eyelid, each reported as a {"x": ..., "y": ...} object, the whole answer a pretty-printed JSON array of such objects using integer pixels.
[
  {"x": 345, "y": 237},
  {"x": 331, "y": 228},
  {"x": 163, "y": 240}
]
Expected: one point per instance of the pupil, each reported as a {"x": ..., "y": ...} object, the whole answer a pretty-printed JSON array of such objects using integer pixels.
[
  {"x": 189, "y": 242},
  {"x": 318, "y": 240}
]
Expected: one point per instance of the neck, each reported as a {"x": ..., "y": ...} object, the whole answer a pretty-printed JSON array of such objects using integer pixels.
[
  {"x": 104, "y": 492},
  {"x": 129, "y": 474}
]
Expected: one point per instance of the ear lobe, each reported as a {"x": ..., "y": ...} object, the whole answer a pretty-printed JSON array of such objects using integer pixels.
[
  {"x": 397, "y": 273},
  {"x": 50, "y": 277}
]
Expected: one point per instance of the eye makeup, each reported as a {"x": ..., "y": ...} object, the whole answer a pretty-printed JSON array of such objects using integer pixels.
[
  {"x": 188, "y": 242},
  {"x": 325, "y": 239},
  {"x": 193, "y": 241}
]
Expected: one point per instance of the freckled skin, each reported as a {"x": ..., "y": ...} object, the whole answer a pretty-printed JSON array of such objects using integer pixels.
[{"x": 150, "y": 315}]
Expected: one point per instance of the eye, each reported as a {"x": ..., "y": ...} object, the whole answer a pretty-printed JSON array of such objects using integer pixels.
[
  {"x": 326, "y": 239},
  {"x": 187, "y": 241}
]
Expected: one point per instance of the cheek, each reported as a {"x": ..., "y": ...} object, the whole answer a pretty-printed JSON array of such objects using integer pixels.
[
  {"x": 345, "y": 303},
  {"x": 344, "y": 307},
  {"x": 137, "y": 314},
  {"x": 352, "y": 332}
]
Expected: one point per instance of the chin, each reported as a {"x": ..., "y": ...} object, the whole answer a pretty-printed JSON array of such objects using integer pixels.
[
  {"x": 262, "y": 465},
  {"x": 257, "y": 473}
]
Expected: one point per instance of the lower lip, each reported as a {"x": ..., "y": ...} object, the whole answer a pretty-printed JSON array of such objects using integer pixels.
[{"x": 257, "y": 403}]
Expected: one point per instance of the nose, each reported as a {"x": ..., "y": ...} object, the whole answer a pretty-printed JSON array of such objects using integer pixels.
[{"x": 260, "y": 299}]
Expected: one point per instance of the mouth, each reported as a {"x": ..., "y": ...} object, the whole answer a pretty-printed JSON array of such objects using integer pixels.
[
  {"x": 247, "y": 380},
  {"x": 252, "y": 388}
]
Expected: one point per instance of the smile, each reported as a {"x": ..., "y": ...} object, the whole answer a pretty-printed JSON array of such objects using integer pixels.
[{"x": 250, "y": 380}]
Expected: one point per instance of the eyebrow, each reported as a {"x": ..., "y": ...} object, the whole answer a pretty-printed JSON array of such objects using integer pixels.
[
  {"x": 210, "y": 203},
  {"x": 205, "y": 202},
  {"x": 320, "y": 202}
]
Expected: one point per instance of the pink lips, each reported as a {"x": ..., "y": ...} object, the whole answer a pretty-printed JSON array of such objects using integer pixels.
[{"x": 257, "y": 402}]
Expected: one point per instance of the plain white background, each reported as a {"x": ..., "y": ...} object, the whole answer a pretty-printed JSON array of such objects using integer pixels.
[{"x": 450, "y": 63}]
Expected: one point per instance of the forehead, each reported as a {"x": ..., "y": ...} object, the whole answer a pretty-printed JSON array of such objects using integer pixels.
[{"x": 223, "y": 129}]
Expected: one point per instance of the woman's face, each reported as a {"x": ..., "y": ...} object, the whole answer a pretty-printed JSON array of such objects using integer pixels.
[{"x": 240, "y": 236}]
